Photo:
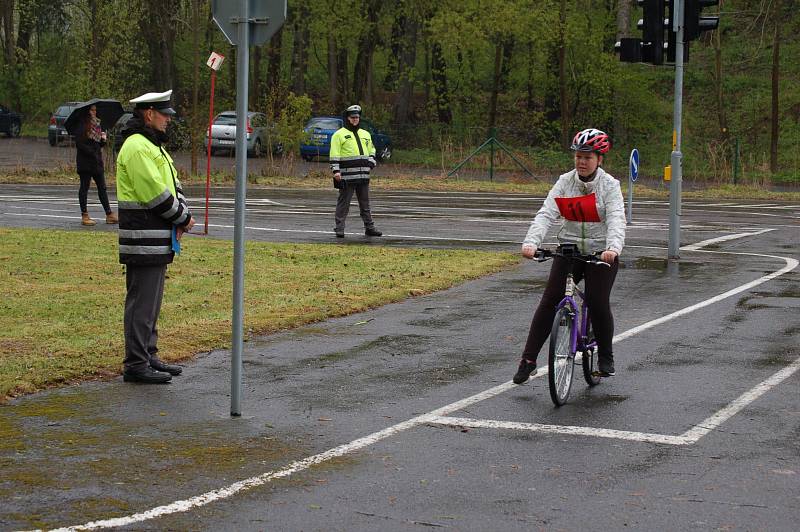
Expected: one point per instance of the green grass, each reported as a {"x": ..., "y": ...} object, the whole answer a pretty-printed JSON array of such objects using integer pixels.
[
  {"x": 404, "y": 181},
  {"x": 62, "y": 305}
]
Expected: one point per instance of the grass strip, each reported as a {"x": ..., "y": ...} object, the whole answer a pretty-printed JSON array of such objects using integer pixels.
[
  {"x": 63, "y": 292},
  {"x": 321, "y": 180}
]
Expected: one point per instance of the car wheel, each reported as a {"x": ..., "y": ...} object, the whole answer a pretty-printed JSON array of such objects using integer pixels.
[
  {"x": 14, "y": 130},
  {"x": 52, "y": 140},
  {"x": 278, "y": 149},
  {"x": 386, "y": 153},
  {"x": 306, "y": 157}
]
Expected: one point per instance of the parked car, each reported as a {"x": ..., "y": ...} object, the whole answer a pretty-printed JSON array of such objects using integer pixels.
[
  {"x": 55, "y": 130},
  {"x": 320, "y": 129},
  {"x": 259, "y": 134},
  {"x": 177, "y": 131},
  {"x": 10, "y": 122}
]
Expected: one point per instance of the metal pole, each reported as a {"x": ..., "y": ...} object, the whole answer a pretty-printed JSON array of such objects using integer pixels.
[
  {"x": 242, "y": 68},
  {"x": 630, "y": 199},
  {"x": 675, "y": 159},
  {"x": 491, "y": 155},
  {"x": 208, "y": 152}
]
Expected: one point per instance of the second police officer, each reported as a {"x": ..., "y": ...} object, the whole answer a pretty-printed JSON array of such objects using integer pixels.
[{"x": 352, "y": 157}]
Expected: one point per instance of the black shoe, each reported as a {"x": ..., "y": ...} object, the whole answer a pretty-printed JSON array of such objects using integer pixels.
[
  {"x": 371, "y": 231},
  {"x": 146, "y": 376},
  {"x": 159, "y": 365},
  {"x": 526, "y": 369},
  {"x": 605, "y": 365},
  {"x": 339, "y": 234}
]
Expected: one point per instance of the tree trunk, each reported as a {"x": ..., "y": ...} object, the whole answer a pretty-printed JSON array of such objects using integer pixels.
[
  {"x": 274, "y": 64},
  {"x": 159, "y": 21},
  {"x": 302, "y": 35},
  {"x": 498, "y": 59},
  {"x": 562, "y": 75},
  {"x": 366, "y": 49},
  {"x": 341, "y": 75},
  {"x": 439, "y": 79},
  {"x": 7, "y": 20},
  {"x": 776, "y": 70},
  {"x": 256, "y": 85},
  {"x": 195, "y": 119},
  {"x": 332, "y": 73},
  {"x": 718, "y": 88},
  {"x": 403, "y": 105}
]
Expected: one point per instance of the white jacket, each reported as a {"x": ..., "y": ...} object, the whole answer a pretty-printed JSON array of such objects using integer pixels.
[{"x": 591, "y": 237}]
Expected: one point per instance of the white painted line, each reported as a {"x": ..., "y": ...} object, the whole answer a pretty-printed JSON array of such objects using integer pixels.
[
  {"x": 725, "y": 238},
  {"x": 385, "y": 235},
  {"x": 714, "y": 421},
  {"x": 560, "y": 429}
]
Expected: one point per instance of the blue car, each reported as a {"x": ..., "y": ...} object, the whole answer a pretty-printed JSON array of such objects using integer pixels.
[{"x": 320, "y": 129}]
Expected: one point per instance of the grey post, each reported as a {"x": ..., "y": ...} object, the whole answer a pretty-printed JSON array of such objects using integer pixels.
[
  {"x": 234, "y": 19},
  {"x": 675, "y": 159},
  {"x": 237, "y": 343}
]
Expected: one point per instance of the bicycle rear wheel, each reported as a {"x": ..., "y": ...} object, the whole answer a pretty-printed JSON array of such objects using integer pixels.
[{"x": 561, "y": 362}]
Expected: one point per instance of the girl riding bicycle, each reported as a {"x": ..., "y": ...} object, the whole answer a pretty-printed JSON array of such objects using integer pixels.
[{"x": 588, "y": 202}]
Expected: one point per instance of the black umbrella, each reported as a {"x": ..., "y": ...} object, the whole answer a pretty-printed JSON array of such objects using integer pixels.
[{"x": 108, "y": 111}]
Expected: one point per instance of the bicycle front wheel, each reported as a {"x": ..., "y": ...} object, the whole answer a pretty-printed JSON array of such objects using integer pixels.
[{"x": 561, "y": 362}]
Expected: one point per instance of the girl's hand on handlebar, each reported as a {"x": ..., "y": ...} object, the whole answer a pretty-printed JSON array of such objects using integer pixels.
[
  {"x": 528, "y": 251},
  {"x": 608, "y": 256}
]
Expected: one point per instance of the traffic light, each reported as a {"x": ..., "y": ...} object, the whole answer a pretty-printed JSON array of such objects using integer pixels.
[
  {"x": 650, "y": 48},
  {"x": 652, "y": 26},
  {"x": 694, "y": 23}
]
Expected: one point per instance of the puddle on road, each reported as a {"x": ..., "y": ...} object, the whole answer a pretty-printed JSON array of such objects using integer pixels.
[{"x": 64, "y": 461}]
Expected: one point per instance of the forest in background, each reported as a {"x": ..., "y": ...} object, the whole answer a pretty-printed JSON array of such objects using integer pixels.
[{"x": 437, "y": 76}]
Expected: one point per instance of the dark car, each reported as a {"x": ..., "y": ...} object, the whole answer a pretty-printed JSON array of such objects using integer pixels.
[
  {"x": 320, "y": 129},
  {"x": 10, "y": 122},
  {"x": 177, "y": 131},
  {"x": 55, "y": 130}
]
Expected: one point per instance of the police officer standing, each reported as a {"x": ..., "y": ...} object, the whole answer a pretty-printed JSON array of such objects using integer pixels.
[
  {"x": 352, "y": 157},
  {"x": 153, "y": 215}
]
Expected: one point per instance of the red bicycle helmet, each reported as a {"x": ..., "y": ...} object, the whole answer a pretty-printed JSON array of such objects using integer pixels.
[{"x": 591, "y": 140}]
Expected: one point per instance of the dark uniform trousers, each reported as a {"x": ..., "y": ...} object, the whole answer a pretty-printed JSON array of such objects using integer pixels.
[
  {"x": 145, "y": 286},
  {"x": 343, "y": 203}
]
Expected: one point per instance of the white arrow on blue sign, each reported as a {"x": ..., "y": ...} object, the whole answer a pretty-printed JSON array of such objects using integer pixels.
[{"x": 634, "y": 164}]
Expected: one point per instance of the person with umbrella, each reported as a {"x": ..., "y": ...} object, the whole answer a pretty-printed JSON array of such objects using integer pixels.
[{"x": 89, "y": 141}]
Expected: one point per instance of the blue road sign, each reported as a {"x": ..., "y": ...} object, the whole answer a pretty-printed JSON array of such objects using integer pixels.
[{"x": 634, "y": 164}]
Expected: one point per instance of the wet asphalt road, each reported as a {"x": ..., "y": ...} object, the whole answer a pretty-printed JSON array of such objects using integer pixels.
[{"x": 498, "y": 457}]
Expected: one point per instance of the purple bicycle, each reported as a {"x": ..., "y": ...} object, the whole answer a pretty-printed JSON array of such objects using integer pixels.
[{"x": 572, "y": 330}]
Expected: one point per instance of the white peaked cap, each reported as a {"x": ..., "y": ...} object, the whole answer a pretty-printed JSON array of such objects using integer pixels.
[{"x": 160, "y": 101}]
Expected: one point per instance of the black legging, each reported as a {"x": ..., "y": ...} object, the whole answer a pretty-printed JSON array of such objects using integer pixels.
[
  {"x": 83, "y": 191},
  {"x": 598, "y": 284}
]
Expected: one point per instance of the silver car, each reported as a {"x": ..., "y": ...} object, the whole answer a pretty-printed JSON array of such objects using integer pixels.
[{"x": 259, "y": 134}]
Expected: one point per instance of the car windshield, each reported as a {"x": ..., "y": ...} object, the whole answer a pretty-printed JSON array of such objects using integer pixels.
[
  {"x": 64, "y": 110},
  {"x": 324, "y": 123},
  {"x": 225, "y": 120}
]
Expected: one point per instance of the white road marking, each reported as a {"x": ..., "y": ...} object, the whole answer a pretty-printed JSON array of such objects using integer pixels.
[
  {"x": 560, "y": 429},
  {"x": 439, "y": 416},
  {"x": 724, "y": 238}
]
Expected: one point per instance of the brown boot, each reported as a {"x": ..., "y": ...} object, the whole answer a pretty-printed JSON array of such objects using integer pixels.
[
  {"x": 86, "y": 220},
  {"x": 112, "y": 218}
]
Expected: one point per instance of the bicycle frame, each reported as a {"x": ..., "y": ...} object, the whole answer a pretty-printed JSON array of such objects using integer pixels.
[{"x": 579, "y": 334}]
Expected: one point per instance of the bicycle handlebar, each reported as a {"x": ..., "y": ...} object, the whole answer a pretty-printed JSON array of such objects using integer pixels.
[{"x": 568, "y": 251}]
